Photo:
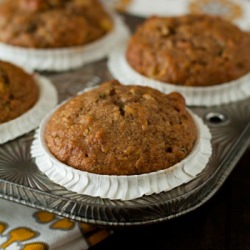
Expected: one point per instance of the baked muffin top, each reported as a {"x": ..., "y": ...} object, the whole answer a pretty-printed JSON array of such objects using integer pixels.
[
  {"x": 18, "y": 91},
  {"x": 52, "y": 23},
  {"x": 190, "y": 50},
  {"x": 121, "y": 130}
]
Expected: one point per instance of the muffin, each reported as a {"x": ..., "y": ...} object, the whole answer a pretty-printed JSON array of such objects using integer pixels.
[
  {"x": 190, "y": 50},
  {"x": 52, "y": 23},
  {"x": 121, "y": 130},
  {"x": 18, "y": 91}
]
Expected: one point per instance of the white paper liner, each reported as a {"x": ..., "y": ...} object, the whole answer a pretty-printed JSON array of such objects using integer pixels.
[
  {"x": 224, "y": 8},
  {"x": 65, "y": 58},
  {"x": 123, "y": 187},
  {"x": 32, "y": 118},
  {"x": 195, "y": 96}
]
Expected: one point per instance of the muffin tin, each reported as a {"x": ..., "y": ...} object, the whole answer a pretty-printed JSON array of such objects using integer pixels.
[{"x": 22, "y": 182}]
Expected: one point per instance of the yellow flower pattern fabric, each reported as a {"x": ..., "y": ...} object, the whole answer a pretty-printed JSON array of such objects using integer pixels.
[
  {"x": 15, "y": 237},
  {"x": 24, "y": 228},
  {"x": 60, "y": 224}
]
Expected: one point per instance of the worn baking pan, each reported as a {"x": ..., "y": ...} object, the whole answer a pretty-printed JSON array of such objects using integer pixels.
[{"x": 22, "y": 182}]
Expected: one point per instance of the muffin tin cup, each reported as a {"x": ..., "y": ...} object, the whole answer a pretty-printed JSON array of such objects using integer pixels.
[
  {"x": 31, "y": 119},
  {"x": 195, "y": 96},
  {"x": 65, "y": 58},
  {"x": 122, "y": 187}
]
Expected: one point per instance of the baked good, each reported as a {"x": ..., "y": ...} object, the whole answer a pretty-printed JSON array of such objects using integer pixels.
[
  {"x": 189, "y": 50},
  {"x": 121, "y": 130},
  {"x": 52, "y": 23},
  {"x": 18, "y": 91}
]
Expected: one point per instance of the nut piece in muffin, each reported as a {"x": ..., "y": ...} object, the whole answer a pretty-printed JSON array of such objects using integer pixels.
[
  {"x": 190, "y": 50},
  {"x": 52, "y": 23},
  {"x": 121, "y": 130},
  {"x": 18, "y": 91}
]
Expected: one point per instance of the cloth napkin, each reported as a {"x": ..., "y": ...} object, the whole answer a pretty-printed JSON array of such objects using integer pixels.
[{"x": 28, "y": 228}]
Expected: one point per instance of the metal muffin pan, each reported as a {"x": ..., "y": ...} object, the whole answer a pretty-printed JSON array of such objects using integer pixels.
[{"x": 22, "y": 182}]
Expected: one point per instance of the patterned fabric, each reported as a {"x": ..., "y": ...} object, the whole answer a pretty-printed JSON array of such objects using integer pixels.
[{"x": 24, "y": 228}]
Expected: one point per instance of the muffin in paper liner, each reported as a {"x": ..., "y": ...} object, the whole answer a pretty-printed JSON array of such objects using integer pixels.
[
  {"x": 62, "y": 59},
  {"x": 122, "y": 187},
  {"x": 31, "y": 119},
  {"x": 232, "y": 91},
  {"x": 237, "y": 11}
]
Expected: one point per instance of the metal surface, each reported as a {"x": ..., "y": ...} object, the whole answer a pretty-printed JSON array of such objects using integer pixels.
[{"x": 22, "y": 182}]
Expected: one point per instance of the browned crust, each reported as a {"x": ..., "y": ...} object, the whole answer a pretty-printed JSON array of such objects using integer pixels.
[
  {"x": 18, "y": 91},
  {"x": 190, "y": 50},
  {"x": 52, "y": 23},
  {"x": 121, "y": 130}
]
